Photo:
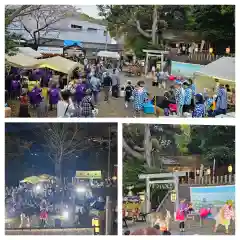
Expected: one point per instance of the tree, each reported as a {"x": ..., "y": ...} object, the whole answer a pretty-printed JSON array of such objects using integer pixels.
[
  {"x": 145, "y": 21},
  {"x": 39, "y": 22},
  {"x": 143, "y": 149},
  {"x": 213, "y": 142},
  {"x": 63, "y": 141},
  {"x": 216, "y": 24},
  {"x": 11, "y": 13}
]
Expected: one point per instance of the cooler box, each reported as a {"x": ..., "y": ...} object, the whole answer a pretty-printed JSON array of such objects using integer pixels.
[
  {"x": 148, "y": 108},
  {"x": 122, "y": 91}
]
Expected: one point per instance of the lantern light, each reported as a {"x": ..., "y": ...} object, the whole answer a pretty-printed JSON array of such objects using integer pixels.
[
  {"x": 173, "y": 196},
  {"x": 230, "y": 168}
]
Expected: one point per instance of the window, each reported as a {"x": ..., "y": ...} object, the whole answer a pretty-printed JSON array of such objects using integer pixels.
[
  {"x": 76, "y": 26},
  {"x": 92, "y": 29}
]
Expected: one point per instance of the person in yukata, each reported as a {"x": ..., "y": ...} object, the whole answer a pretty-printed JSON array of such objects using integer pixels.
[
  {"x": 221, "y": 101},
  {"x": 187, "y": 97},
  {"x": 139, "y": 96},
  {"x": 179, "y": 96},
  {"x": 199, "y": 110}
]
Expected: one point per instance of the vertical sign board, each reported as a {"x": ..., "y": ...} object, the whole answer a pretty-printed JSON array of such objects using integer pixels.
[{"x": 212, "y": 197}]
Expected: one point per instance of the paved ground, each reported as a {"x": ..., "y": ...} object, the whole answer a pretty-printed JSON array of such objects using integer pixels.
[
  {"x": 191, "y": 228},
  {"x": 75, "y": 231},
  {"x": 113, "y": 108}
]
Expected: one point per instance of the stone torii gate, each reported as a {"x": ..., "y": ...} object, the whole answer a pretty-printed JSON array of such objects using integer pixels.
[
  {"x": 172, "y": 178},
  {"x": 154, "y": 53}
]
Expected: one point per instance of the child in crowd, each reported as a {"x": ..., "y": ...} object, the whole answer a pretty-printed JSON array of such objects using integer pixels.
[
  {"x": 128, "y": 93},
  {"x": 199, "y": 110}
]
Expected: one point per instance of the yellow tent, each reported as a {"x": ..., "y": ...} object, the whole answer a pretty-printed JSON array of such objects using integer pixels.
[
  {"x": 59, "y": 64},
  {"x": 21, "y": 61},
  {"x": 32, "y": 180},
  {"x": 45, "y": 177}
]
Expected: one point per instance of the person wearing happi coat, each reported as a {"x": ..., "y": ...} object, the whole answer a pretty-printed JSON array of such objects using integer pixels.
[
  {"x": 54, "y": 96},
  {"x": 224, "y": 216},
  {"x": 35, "y": 96}
]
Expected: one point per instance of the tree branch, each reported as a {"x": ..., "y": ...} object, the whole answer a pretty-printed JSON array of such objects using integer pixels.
[
  {"x": 132, "y": 152},
  {"x": 144, "y": 33}
]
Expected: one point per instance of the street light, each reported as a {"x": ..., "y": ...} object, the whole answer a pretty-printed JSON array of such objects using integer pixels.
[
  {"x": 208, "y": 171},
  {"x": 230, "y": 169},
  {"x": 173, "y": 196},
  {"x": 114, "y": 178},
  {"x": 80, "y": 190}
]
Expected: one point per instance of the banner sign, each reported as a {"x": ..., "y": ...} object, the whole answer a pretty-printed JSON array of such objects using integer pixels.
[
  {"x": 89, "y": 174},
  {"x": 209, "y": 197}
]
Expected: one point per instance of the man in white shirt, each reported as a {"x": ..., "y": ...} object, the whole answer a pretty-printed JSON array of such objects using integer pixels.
[{"x": 65, "y": 107}]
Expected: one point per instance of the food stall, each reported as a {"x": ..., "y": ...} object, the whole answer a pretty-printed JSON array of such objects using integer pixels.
[
  {"x": 223, "y": 70},
  {"x": 131, "y": 207}
]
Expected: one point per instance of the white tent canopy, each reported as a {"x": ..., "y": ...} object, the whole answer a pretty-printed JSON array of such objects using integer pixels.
[
  {"x": 21, "y": 61},
  {"x": 108, "y": 54},
  {"x": 223, "y": 69},
  {"x": 27, "y": 51}
]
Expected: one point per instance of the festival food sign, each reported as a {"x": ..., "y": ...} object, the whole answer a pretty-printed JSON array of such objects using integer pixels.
[
  {"x": 89, "y": 174},
  {"x": 50, "y": 50}
]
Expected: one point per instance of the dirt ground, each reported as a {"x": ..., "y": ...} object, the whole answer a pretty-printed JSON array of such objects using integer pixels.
[{"x": 113, "y": 108}]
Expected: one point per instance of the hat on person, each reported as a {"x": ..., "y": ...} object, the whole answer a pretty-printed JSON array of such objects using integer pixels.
[{"x": 177, "y": 82}]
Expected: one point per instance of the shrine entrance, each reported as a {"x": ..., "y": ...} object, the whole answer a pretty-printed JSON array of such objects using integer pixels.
[{"x": 162, "y": 178}]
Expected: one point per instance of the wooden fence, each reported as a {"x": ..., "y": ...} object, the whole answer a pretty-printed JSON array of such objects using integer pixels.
[{"x": 209, "y": 180}]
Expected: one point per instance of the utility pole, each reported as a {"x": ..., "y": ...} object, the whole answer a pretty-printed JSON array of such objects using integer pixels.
[
  {"x": 109, "y": 151},
  {"x": 106, "y": 41}
]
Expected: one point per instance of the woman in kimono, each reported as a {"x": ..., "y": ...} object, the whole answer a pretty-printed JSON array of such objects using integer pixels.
[{"x": 224, "y": 216}]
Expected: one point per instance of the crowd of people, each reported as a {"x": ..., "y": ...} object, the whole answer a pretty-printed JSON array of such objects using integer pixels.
[
  {"x": 181, "y": 98},
  {"x": 46, "y": 90},
  {"x": 49, "y": 199},
  {"x": 161, "y": 226}
]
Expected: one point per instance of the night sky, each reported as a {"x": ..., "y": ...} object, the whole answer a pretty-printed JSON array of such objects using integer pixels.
[{"x": 36, "y": 161}]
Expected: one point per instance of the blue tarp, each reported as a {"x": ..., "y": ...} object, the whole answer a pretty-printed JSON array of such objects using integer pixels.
[{"x": 68, "y": 43}]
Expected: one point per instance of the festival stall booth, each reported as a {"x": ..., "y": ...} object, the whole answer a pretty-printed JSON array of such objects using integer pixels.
[
  {"x": 131, "y": 207},
  {"x": 21, "y": 61},
  {"x": 108, "y": 54},
  {"x": 222, "y": 70},
  {"x": 60, "y": 64},
  {"x": 73, "y": 49}
]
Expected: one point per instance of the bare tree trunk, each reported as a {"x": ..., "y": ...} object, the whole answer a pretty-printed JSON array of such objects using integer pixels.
[
  {"x": 148, "y": 145},
  {"x": 154, "y": 24},
  {"x": 58, "y": 171}
]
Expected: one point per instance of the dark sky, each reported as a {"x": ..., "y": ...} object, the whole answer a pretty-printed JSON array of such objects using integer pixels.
[{"x": 36, "y": 161}]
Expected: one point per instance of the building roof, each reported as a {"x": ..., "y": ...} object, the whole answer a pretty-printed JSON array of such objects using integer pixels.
[{"x": 62, "y": 30}]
